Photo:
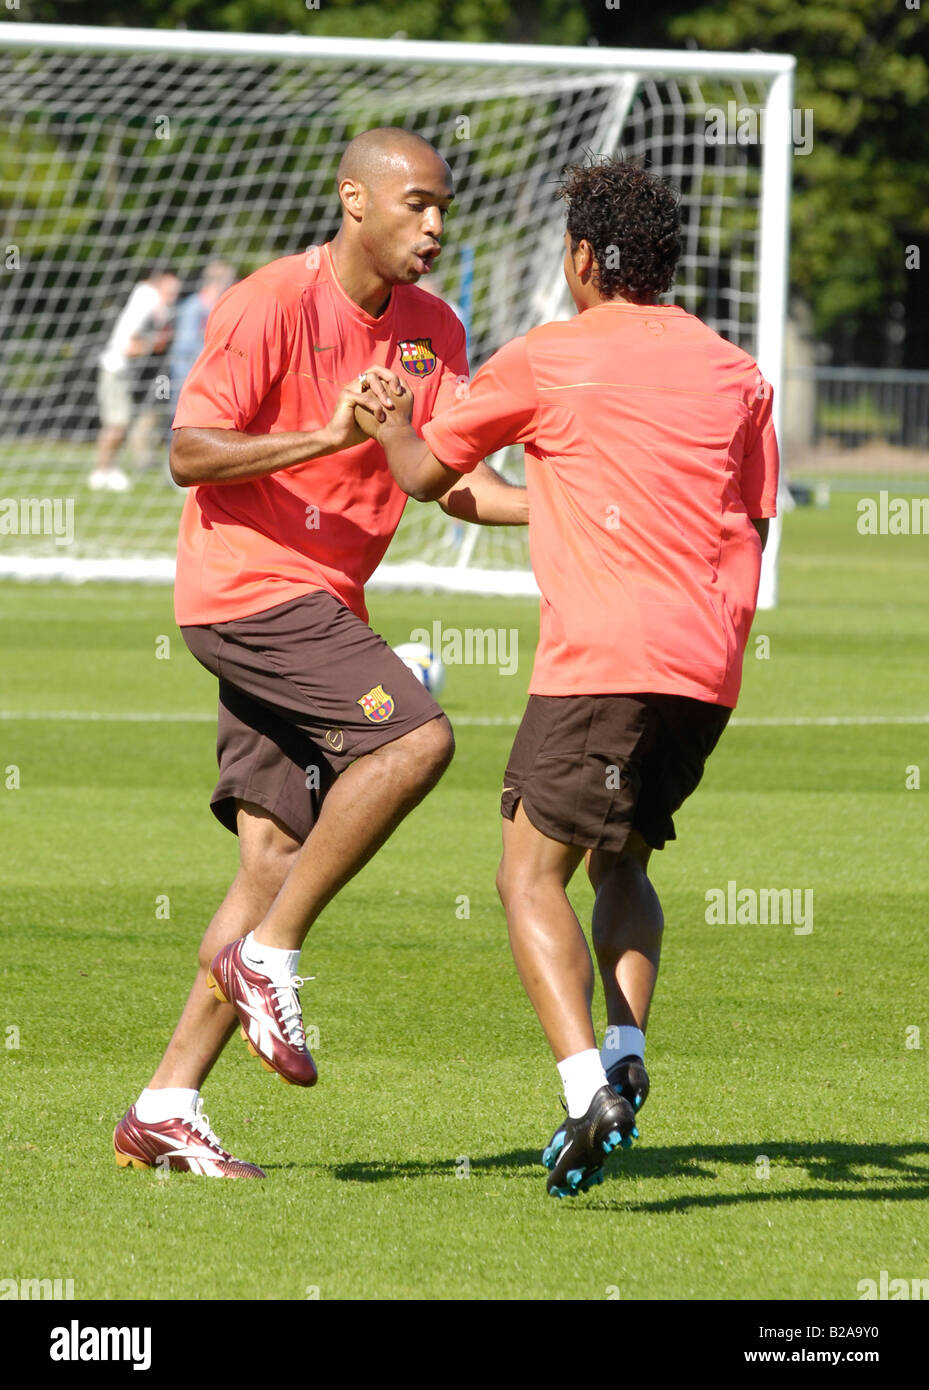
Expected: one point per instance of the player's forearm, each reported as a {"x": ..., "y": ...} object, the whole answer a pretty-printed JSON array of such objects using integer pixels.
[
  {"x": 483, "y": 496},
  {"x": 415, "y": 468},
  {"x": 228, "y": 456}
]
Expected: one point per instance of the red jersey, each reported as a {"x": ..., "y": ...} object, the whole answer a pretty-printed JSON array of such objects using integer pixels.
[
  {"x": 279, "y": 347},
  {"x": 649, "y": 447}
]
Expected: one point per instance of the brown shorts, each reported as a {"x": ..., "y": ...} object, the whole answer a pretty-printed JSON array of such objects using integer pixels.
[
  {"x": 590, "y": 768},
  {"x": 304, "y": 689}
]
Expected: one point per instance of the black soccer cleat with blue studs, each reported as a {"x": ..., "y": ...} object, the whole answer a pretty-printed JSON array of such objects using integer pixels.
[
  {"x": 629, "y": 1079},
  {"x": 579, "y": 1147}
]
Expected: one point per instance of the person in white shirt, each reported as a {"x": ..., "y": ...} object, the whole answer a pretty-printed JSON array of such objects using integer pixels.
[{"x": 143, "y": 328}]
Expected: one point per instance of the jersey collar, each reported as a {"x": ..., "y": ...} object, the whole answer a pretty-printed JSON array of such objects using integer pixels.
[
  {"x": 355, "y": 310},
  {"x": 650, "y": 309}
]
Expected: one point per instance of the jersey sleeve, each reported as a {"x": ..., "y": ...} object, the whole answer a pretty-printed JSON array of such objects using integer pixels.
[
  {"x": 244, "y": 354},
  {"x": 760, "y": 461},
  {"x": 499, "y": 407},
  {"x": 455, "y": 370}
]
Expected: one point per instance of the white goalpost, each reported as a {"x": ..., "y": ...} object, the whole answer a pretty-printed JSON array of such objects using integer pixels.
[{"x": 133, "y": 149}]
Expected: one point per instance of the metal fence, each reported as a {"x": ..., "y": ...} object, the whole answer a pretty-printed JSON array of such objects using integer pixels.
[{"x": 851, "y": 406}]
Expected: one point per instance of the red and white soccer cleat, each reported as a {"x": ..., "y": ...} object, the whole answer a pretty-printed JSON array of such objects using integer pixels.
[
  {"x": 272, "y": 1024},
  {"x": 187, "y": 1144}
]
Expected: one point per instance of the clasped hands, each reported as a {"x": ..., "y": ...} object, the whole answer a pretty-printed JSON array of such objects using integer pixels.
[{"x": 374, "y": 401}]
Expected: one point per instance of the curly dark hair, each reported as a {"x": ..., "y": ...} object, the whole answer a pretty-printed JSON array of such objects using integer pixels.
[{"x": 631, "y": 219}]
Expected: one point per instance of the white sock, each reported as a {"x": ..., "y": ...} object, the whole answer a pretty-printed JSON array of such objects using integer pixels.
[
  {"x": 170, "y": 1103},
  {"x": 582, "y": 1075},
  {"x": 621, "y": 1040},
  {"x": 278, "y": 964}
]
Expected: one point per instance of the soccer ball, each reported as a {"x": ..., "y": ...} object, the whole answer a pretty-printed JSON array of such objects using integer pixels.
[{"x": 426, "y": 667}]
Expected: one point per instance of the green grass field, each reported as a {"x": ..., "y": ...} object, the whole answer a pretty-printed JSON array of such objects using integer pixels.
[{"x": 411, "y": 1170}]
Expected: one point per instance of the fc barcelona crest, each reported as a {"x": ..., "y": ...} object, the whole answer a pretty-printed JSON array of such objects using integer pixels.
[
  {"x": 417, "y": 356},
  {"x": 377, "y": 705}
]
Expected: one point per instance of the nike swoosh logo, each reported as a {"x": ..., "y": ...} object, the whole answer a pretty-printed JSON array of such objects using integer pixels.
[{"x": 323, "y": 349}]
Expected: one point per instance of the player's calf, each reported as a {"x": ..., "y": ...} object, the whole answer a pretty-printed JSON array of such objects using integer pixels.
[{"x": 251, "y": 894}]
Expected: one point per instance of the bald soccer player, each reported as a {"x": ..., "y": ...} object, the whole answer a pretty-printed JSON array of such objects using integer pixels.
[
  {"x": 326, "y": 740},
  {"x": 652, "y": 469}
]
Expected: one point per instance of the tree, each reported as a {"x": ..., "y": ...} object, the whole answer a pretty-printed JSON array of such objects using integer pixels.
[
  {"x": 860, "y": 195},
  {"x": 859, "y": 202},
  {"x": 475, "y": 21}
]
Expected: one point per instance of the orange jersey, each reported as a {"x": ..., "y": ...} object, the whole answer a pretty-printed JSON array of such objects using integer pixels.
[
  {"x": 649, "y": 447},
  {"x": 279, "y": 347}
]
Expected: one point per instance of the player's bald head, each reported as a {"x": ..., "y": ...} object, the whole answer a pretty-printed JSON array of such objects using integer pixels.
[
  {"x": 395, "y": 191},
  {"x": 386, "y": 152}
]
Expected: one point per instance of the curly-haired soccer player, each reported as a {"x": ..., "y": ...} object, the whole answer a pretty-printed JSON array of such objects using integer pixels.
[{"x": 652, "y": 466}]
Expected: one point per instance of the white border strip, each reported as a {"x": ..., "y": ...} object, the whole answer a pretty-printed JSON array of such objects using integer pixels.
[
  {"x": 136, "y": 569},
  {"x": 825, "y": 721},
  {"x": 415, "y": 575}
]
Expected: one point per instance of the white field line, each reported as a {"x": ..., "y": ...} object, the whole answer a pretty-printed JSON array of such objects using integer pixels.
[{"x": 801, "y": 721}]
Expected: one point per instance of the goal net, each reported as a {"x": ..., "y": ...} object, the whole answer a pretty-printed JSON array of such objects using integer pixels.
[{"x": 126, "y": 150}]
